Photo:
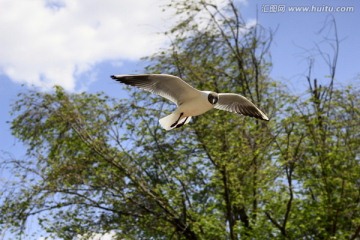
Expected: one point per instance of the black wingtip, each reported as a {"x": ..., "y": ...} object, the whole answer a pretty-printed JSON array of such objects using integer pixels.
[{"x": 113, "y": 77}]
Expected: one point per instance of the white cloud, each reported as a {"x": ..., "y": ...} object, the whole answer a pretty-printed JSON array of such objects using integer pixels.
[{"x": 47, "y": 42}]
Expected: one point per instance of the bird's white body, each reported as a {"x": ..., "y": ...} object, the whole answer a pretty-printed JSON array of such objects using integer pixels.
[
  {"x": 194, "y": 107},
  {"x": 190, "y": 101}
]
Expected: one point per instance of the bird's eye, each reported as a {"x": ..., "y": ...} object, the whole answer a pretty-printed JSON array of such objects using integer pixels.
[{"x": 216, "y": 99}]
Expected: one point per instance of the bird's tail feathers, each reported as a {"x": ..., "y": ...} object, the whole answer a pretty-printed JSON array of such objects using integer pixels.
[{"x": 172, "y": 121}]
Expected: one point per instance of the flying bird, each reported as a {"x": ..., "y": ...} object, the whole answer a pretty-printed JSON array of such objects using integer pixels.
[{"x": 189, "y": 100}]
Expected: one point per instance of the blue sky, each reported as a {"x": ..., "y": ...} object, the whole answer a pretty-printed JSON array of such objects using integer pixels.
[
  {"x": 79, "y": 44},
  {"x": 297, "y": 31}
]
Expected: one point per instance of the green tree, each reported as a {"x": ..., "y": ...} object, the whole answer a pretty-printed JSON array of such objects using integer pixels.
[{"x": 96, "y": 164}]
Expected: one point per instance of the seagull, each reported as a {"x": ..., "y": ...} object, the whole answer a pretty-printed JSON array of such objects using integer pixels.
[{"x": 189, "y": 100}]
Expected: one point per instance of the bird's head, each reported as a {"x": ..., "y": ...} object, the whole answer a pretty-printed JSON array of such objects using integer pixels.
[{"x": 213, "y": 97}]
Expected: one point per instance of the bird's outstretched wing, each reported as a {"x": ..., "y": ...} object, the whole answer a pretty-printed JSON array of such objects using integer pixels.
[
  {"x": 238, "y": 104},
  {"x": 168, "y": 86}
]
